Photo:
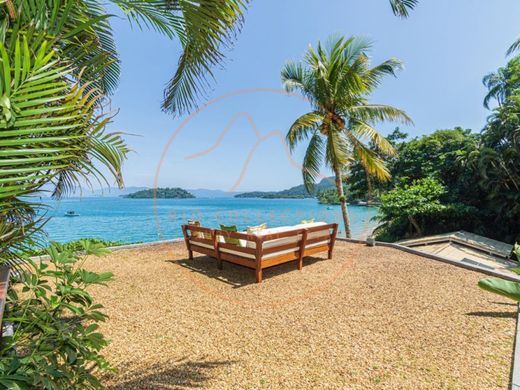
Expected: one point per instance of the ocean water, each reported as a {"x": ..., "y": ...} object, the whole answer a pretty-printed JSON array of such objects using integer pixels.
[{"x": 145, "y": 220}]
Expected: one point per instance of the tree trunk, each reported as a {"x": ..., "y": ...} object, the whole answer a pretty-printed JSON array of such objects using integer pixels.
[
  {"x": 415, "y": 225},
  {"x": 343, "y": 201}
]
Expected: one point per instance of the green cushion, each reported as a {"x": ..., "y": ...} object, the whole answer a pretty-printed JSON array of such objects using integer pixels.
[
  {"x": 306, "y": 221},
  {"x": 230, "y": 240}
]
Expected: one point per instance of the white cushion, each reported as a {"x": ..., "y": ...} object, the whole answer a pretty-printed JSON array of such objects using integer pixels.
[{"x": 287, "y": 240}]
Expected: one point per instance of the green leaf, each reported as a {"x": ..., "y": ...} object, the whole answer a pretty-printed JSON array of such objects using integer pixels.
[{"x": 502, "y": 287}]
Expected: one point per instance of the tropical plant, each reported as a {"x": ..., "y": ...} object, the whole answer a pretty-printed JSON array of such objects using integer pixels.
[
  {"x": 336, "y": 79},
  {"x": 55, "y": 343},
  {"x": 73, "y": 246},
  {"x": 411, "y": 202},
  {"x": 441, "y": 154},
  {"x": 506, "y": 288},
  {"x": 52, "y": 134},
  {"x": 503, "y": 83}
]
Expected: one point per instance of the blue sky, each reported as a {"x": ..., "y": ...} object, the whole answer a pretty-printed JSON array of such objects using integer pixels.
[{"x": 447, "y": 47}]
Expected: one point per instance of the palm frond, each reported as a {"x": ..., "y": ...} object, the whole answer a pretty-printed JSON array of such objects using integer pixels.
[
  {"x": 51, "y": 136},
  {"x": 338, "y": 151},
  {"x": 48, "y": 126},
  {"x": 209, "y": 27},
  {"x": 20, "y": 230},
  {"x": 369, "y": 159},
  {"x": 293, "y": 76},
  {"x": 514, "y": 47},
  {"x": 312, "y": 162},
  {"x": 158, "y": 15},
  {"x": 496, "y": 83},
  {"x": 303, "y": 128},
  {"x": 388, "y": 67},
  {"x": 364, "y": 130},
  {"x": 374, "y": 113},
  {"x": 402, "y": 8},
  {"x": 79, "y": 30}
]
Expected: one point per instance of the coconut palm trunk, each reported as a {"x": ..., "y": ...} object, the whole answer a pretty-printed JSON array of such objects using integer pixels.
[{"x": 342, "y": 201}]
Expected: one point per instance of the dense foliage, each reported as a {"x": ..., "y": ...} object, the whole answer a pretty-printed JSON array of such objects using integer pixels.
[
  {"x": 55, "y": 342},
  {"x": 331, "y": 196},
  {"x": 480, "y": 172},
  {"x": 296, "y": 192},
  {"x": 420, "y": 208},
  {"x": 161, "y": 193}
]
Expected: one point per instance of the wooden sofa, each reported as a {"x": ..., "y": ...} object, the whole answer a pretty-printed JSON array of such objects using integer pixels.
[{"x": 265, "y": 249}]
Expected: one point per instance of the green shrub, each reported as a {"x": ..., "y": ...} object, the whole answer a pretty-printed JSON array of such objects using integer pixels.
[
  {"x": 56, "y": 343},
  {"x": 74, "y": 246},
  {"x": 418, "y": 209}
]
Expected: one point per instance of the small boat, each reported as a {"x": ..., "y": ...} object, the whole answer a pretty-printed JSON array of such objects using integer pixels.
[{"x": 71, "y": 213}]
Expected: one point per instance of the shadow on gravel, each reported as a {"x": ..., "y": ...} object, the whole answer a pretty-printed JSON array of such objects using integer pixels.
[{"x": 181, "y": 374}]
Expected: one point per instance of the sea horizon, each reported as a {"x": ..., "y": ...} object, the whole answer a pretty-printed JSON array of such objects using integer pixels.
[{"x": 115, "y": 218}]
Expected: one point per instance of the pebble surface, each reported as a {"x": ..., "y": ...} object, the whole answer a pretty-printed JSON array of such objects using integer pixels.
[{"x": 371, "y": 317}]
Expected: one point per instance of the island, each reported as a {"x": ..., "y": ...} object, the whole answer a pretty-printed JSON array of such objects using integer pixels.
[
  {"x": 160, "y": 193},
  {"x": 296, "y": 192}
]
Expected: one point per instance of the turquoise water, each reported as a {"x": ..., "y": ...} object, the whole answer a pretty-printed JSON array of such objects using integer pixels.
[{"x": 144, "y": 220}]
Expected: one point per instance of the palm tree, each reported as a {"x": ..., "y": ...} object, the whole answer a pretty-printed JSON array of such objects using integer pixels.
[
  {"x": 503, "y": 83},
  {"x": 336, "y": 79}
]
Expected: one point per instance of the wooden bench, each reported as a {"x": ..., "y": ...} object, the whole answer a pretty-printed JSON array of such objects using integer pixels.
[{"x": 261, "y": 251}]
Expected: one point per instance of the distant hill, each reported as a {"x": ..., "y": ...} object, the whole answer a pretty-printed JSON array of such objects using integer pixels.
[
  {"x": 86, "y": 192},
  {"x": 204, "y": 193},
  {"x": 160, "y": 193},
  {"x": 296, "y": 192},
  {"x": 114, "y": 191}
]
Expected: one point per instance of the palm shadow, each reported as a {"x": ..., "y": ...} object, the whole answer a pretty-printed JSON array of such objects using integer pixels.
[
  {"x": 236, "y": 275},
  {"x": 505, "y": 303},
  {"x": 189, "y": 374},
  {"x": 493, "y": 314}
]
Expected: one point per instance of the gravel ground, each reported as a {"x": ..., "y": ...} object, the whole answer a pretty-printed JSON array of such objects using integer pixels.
[{"x": 369, "y": 318}]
